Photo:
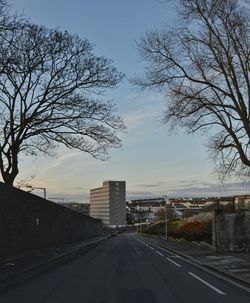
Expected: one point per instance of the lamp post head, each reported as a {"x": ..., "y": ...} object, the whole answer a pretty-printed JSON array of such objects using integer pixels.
[{"x": 29, "y": 186}]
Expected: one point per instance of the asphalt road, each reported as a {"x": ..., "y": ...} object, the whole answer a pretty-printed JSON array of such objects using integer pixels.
[{"x": 125, "y": 269}]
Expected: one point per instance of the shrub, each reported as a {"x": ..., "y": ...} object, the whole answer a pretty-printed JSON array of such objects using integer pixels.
[
  {"x": 195, "y": 228},
  {"x": 195, "y": 231}
]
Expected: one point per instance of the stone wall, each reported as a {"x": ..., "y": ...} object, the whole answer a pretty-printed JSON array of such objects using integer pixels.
[
  {"x": 231, "y": 231},
  {"x": 28, "y": 223}
]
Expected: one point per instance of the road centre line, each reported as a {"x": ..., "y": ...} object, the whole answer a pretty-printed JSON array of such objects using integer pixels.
[
  {"x": 173, "y": 262},
  {"x": 211, "y": 272},
  {"x": 206, "y": 283},
  {"x": 159, "y": 253},
  {"x": 165, "y": 250},
  {"x": 175, "y": 256}
]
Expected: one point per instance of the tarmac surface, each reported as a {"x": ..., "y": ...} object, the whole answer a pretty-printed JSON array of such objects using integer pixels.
[
  {"x": 122, "y": 269},
  {"x": 127, "y": 268},
  {"x": 235, "y": 265}
]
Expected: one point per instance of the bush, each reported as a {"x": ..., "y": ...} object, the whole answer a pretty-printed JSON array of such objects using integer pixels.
[
  {"x": 159, "y": 228},
  {"x": 195, "y": 231},
  {"x": 196, "y": 228}
]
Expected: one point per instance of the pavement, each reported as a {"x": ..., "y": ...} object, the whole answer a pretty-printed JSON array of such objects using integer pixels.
[
  {"x": 25, "y": 266},
  {"x": 234, "y": 265}
]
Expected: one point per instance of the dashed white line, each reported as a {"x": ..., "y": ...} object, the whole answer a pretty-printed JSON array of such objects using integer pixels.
[
  {"x": 219, "y": 276},
  {"x": 208, "y": 284},
  {"x": 173, "y": 262},
  {"x": 175, "y": 256},
  {"x": 159, "y": 253}
]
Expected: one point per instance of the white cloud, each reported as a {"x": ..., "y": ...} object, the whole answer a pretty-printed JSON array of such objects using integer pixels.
[
  {"x": 192, "y": 188},
  {"x": 137, "y": 118},
  {"x": 146, "y": 108},
  {"x": 62, "y": 159}
]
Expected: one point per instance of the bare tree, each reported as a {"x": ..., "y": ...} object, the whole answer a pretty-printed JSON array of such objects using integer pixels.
[
  {"x": 50, "y": 82},
  {"x": 5, "y": 18},
  {"x": 24, "y": 183},
  {"x": 8, "y": 21},
  {"x": 203, "y": 67}
]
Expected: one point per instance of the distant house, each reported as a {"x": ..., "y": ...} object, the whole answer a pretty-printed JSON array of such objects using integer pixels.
[
  {"x": 242, "y": 202},
  {"x": 145, "y": 210}
]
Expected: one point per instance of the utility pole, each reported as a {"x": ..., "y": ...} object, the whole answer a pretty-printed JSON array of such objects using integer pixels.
[
  {"x": 141, "y": 222},
  {"x": 166, "y": 217},
  {"x": 42, "y": 188}
]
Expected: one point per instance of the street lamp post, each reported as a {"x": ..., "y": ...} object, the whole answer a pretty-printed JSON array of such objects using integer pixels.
[
  {"x": 141, "y": 222},
  {"x": 147, "y": 218},
  {"x": 44, "y": 191},
  {"x": 42, "y": 188},
  {"x": 166, "y": 217}
]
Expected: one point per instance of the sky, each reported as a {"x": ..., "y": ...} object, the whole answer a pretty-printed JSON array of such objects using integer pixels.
[{"x": 152, "y": 161}]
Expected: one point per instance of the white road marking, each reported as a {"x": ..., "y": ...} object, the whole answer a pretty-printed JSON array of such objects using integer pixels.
[
  {"x": 219, "y": 276},
  {"x": 173, "y": 262},
  {"x": 175, "y": 256},
  {"x": 159, "y": 253},
  {"x": 206, "y": 283}
]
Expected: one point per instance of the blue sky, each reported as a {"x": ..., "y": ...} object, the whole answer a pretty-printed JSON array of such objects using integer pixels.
[{"x": 151, "y": 161}]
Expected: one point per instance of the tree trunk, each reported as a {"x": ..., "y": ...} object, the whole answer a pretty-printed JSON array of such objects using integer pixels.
[
  {"x": 9, "y": 178},
  {"x": 9, "y": 174}
]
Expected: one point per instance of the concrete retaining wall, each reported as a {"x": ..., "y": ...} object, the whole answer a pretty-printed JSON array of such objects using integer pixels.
[
  {"x": 28, "y": 223},
  {"x": 231, "y": 231}
]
